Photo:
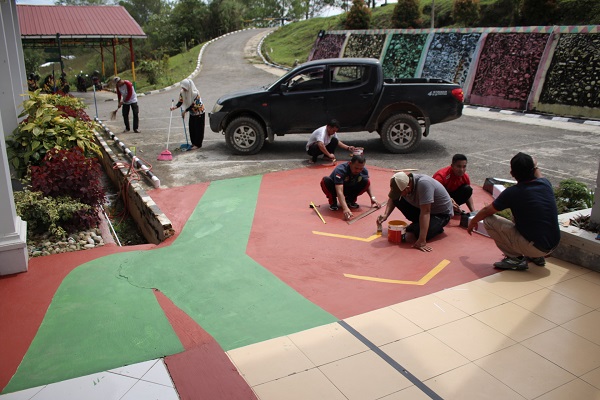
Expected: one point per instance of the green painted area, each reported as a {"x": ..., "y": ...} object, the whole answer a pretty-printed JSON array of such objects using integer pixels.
[{"x": 104, "y": 315}]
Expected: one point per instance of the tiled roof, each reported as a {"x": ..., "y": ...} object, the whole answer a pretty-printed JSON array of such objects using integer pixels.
[{"x": 77, "y": 22}]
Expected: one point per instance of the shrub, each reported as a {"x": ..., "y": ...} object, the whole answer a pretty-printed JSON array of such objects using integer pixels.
[
  {"x": 55, "y": 215},
  {"x": 572, "y": 195},
  {"x": 359, "y": 16},
  {"x": 406, "y": 14},
  {"x": 538, "y": 12},
  {"x": 47, "y": 127},
  {"x": 466, "y": 12},
  {"x": 69, "y": 173}
]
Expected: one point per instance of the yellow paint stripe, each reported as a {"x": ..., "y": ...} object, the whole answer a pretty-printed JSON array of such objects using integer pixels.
[
  {"x": 368, "y": 239},
  {"x": 420, "y": 282}
]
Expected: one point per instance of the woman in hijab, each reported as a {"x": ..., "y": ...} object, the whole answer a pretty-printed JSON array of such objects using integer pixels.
[{"x": 192, "y": 102}]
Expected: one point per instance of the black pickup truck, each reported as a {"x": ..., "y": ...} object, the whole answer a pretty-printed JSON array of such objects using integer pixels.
[{"x": 351, "y": 90}]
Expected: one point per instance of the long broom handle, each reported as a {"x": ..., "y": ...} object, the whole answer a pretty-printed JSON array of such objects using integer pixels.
[{"x": 170, "y": 118}]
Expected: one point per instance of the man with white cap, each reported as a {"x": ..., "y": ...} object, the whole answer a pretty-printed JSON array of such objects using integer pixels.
[
  {"x": 128, "y": 100},
  {"x": 423, "y": 201}
]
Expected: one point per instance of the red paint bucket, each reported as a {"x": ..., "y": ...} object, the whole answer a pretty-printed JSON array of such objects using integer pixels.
[{"x": 396, "y": 231}]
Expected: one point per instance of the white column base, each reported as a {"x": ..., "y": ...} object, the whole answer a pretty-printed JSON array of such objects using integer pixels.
[{"x": 13, "y": 250}]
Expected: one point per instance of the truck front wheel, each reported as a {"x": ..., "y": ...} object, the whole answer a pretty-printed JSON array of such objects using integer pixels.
[
  {"x": 245, "y": 135},
  {"x": 401, "y": 133}
]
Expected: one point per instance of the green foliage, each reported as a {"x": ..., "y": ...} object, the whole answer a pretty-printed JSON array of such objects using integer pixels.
[
  {"x": 359, "y": 16},
  {"x": 48, "y": 214},
  {"x": 152, "y": 69},
  {"x": 47, "y": 127},
  {"x": 538, "y": 12},
  {"x": 572, "y": 195},
  {"x": 466, "y": 12},
  {"x": 224, "y": 16},
  {"x": 407, "y": 14}
]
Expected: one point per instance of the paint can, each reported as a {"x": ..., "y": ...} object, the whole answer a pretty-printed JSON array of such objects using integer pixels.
[
  {"x": 357, "y": 152},
  {"x": 396, "y": 231}
]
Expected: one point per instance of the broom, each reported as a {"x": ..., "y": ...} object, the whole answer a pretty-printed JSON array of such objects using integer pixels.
[
  {"x": 166, "y": 154},
  {"x": 187, "y": 146},
  {"x": 113, "y": 114}
]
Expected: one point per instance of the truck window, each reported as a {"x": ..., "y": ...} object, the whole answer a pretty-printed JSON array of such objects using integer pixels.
[
  {"x": 308, "y": 79},
  {"x": 348, "y": 75}
]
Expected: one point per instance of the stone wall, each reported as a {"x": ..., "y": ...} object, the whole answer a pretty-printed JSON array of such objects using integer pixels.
[{"x": 554, "y": 70}]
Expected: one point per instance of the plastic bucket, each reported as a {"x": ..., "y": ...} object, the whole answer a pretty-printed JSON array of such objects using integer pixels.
[{"x": 396, "y": 231}]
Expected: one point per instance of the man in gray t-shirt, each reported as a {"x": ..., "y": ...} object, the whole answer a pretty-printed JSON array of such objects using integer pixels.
[{"x": 424, "y": 202}]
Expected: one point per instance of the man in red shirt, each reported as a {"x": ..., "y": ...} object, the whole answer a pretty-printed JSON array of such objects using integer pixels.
[{"x": 456, "y": 181}]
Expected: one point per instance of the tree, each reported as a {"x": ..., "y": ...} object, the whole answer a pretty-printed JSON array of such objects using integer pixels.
[
  {"x": 142, "y": 10},
  {"x": 359, "y": 16},
  {"x": 538, "y": 12},
  {"x": 224, "y": 16},
  {"x": 466, "y": 12},
  {"x": 188, "y": 20},
  {"x": 82, "y": 2},
  {"x": 406, "y": 14}
]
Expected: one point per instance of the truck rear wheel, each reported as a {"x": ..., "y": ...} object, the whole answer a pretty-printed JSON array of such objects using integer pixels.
[
  {"x": 245, "y": 135},
  {"x": 401, "y": 133}
]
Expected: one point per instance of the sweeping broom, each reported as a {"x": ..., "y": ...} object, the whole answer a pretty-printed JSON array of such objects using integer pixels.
[
  {"x": 187, "y": 146},
  {"x": 166, "y": 154},
  {"x": 113, "y": 114}
]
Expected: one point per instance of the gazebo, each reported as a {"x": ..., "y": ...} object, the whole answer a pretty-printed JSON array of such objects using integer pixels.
[{"x": 58, "y": 27}]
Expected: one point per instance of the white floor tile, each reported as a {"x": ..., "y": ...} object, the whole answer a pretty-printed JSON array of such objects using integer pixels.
[
  {"x": 158, "y": 374},
  {"x": 150, "y": 391},
  {"x": 26, "y": 394},
  {"x": 100, "y": 386},
  {"x": 134, "y": 370}
]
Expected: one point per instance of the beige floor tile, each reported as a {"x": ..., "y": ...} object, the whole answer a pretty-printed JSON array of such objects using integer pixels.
[
  {"x": 470, "y": 298},
  {"x": 566, "y": 349},
  {"x": 580, "y": 290},
  {"x": 327, "y": 343},
  {"x": 429, "y": 311},
  {"x": 553, "y": 306},
  {"x": 383, "y": 326},
  {"x": 269, "y": 360},
  {"x": 587, "y": 325},
  {"x": 524, "y": 371},
  {"x": 593, "y": 378},
  {"x": 514, "y": 321},
  {"x": 556, "y": 271},
  {"x": 365, "y": 376},
  {"x": 471, "y": 338},
  {"x": 306, "y": 385},
  {"x": 576, "y": 389},
  {"x": 592, "y": 276},
  {"x": 509, "y": 285},
  {"x": 424, "y": 356},
  {"x": 470, "y": 382},
  {"x": 410, "y": 393}
]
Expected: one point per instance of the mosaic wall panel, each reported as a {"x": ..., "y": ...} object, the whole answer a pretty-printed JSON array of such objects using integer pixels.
[
  {"x": 365, "y": 45},
  {"x": 330, "y": 46},
  {"x": 574, "y": 75},
  {"x": 450, "y": 56},
  {"x": 507, "y": 66},
  {"x": 402, "y": 55}
]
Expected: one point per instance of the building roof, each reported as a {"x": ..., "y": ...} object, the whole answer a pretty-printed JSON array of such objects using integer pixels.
[{"x": 89, "y": 22}]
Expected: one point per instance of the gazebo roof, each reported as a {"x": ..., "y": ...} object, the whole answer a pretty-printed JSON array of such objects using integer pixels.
[{"x": 77, "y": 22}]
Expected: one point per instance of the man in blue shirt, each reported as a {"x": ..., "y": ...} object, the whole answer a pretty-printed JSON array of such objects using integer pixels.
[
  {"x": 348, "y": 181},
  {"x": 535, "y": 232}
]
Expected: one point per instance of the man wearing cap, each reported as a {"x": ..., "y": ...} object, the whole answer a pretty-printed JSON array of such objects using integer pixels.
[
  {"x": 423, "y": 201},
  {"x": 535, "y": 232},
  {"x": 128, "y": 100},
  {"x": 324, "y": 140},
  {"x": 347, "y": 182}
]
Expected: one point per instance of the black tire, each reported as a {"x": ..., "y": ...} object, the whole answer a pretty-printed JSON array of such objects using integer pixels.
[
  {"x": 401, "y": 133},
  {"x": 245, "y": 135}
]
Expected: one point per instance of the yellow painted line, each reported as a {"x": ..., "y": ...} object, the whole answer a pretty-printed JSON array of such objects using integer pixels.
[
  {"x": 420, "y": 282},
  {"x": 360, "y": 239}
]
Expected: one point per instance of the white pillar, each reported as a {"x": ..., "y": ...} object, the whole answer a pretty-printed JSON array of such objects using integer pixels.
[
  {"x": 13, "y": 231},
  {"x": 595, "y": 217}
]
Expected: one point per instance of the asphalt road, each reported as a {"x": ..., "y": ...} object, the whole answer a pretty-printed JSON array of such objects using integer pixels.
[{"x": 489, "y": 139}]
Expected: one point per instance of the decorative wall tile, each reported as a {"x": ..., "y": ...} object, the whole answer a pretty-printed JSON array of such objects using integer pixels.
[
  {"x": 365, "y": 45},
  {"x": 402, "y": 55},
  {"x": 450, "y": 56},
  {"x": 574, "y": 75},
  {"x": 330, "y": 46},
  {"x": 507, "y": 66}
]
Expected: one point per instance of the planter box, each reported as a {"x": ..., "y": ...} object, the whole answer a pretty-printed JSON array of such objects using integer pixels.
[{"x": 576, "y": 245}]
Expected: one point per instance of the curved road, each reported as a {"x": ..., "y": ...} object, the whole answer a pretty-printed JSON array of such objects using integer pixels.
[{"x": 490, "y": 139}]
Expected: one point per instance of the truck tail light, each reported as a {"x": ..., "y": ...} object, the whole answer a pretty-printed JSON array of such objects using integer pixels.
[{"x": 458, "y": 94}]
